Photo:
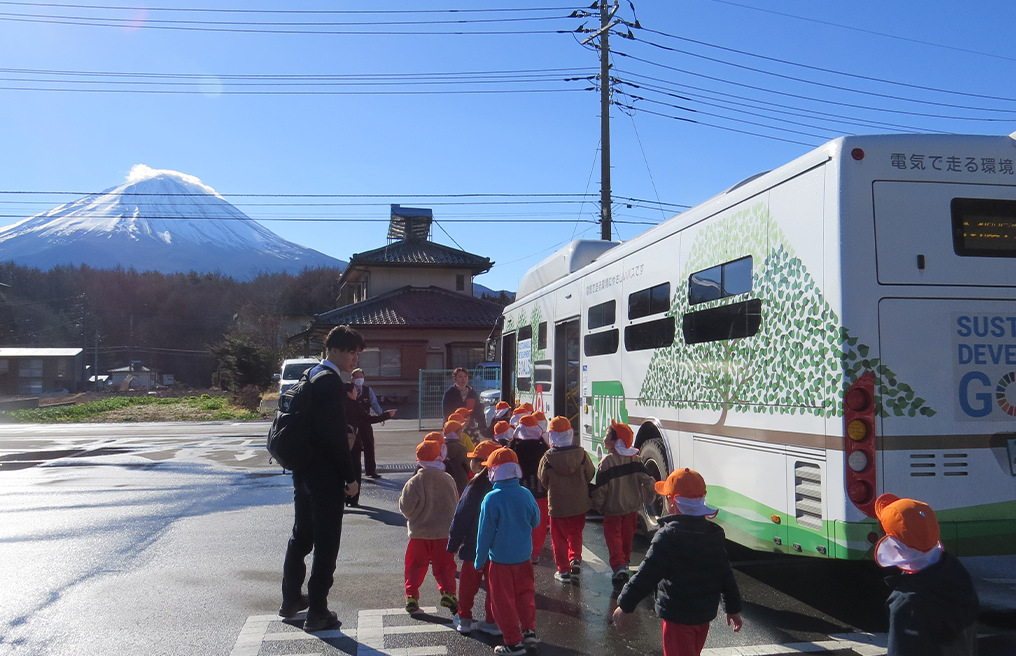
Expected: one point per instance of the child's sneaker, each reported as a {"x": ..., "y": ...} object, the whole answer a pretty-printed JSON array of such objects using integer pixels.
[
  {"x": 487, "y": 627},
  {"x": 463, "y": 624},
  {"x": 576, "y": 567},
  {"x": 412, "y": 605},
  {"x": 510, "y": 650},
  {"x": 620, "y": 575},
  {"x": 563, "y": 577},
  {"x": 529, "y": 637},
  {"x": 449, "y": 601}
]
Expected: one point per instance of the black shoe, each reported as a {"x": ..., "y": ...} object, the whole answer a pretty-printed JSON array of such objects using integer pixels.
[
  {"x": 293, "y": 606},
  {"x": 317, "y": 622},
  {"x": 352, "y": 504},
  {"x": 374, "y": 475}
]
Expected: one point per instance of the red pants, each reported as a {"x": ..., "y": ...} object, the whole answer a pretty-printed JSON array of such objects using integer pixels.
[
  {"x": 684, "y": 639},
  {"x": 566, "y": 538},
  {"x": 422, "y": 553},
  {"x": 513, "y": 593},
  {"x": 540, "y": 532},
  {"x": 469, "y": 583},
  {"x": 618, "y": 531}
]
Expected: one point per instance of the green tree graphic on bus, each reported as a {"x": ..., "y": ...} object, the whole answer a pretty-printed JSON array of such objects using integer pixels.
[{"x": 801, "y": 360}]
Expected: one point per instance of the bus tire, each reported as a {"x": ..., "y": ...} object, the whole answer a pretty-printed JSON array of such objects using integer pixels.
[{"x": 654, "y": 457}]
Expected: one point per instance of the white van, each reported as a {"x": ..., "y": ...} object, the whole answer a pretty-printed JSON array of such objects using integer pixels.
[{"x": 292, "y": 370}]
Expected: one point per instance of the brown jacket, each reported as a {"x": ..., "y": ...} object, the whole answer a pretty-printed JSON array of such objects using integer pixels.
[
  {"x": 428, "y": 501},
  {"x": 566, "y": 472},
  {"x": 622, "y": 485},
  {"x": 457, "y": 464}
]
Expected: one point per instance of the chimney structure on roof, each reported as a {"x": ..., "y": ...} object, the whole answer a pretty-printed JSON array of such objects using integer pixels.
[{"x": 411, "y": 224}]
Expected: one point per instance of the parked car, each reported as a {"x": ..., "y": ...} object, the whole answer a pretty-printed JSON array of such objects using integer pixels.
[
  {"x": 490, "y": 398},
  {"x": 292, "y": 369}
]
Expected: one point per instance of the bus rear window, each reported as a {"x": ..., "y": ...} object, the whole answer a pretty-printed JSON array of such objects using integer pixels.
[{"x": 984, "y": 227}]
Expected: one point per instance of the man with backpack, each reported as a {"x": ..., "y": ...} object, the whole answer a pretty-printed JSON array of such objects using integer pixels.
[{"x": 323, "y": 475}]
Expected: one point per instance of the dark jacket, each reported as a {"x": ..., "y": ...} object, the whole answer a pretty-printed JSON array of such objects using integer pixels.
[
  {"x": 688, "y": 568},
  {"x": 452, "y": 401},
  {"x": 529, "y": 453},
  {"x": 360, "y": 420},
  {"x": 329, "y": 441},
  {"x": 933, "y": 612},
  {"x": 466, "y": 523}
]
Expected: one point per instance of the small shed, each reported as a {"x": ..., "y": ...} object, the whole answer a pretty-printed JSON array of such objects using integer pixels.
[{"x": 134, "y": 376}]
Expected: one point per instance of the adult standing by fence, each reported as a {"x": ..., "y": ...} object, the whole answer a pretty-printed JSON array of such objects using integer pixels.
[
  {"x": 368, "y": 401},
  {"x": 461, "y": 395}
]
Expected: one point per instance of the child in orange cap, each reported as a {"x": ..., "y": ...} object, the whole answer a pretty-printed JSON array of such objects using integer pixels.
[
  {"x": 428, "y": 503},
  {"x": 933, "y": 605},
  {"x": 464, "y": 417},
  {"x": 457, "y": 463},
  {"x": 462, "y": 538},
  {"x": 517, "y": 414},
  {"x": 687, "y": 567},
  {"x": 565, "y": 470},
  {"x": 508, "y": 516},
  {"x": 502, "y": 433},
  {"x": 502, "y": 412},
  {"x": 529, "y": 446},
  {"x": 622, "y": 485}
]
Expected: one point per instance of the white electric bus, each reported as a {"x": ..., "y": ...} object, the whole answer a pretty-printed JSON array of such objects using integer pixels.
[{"x": 808, "y": 339}]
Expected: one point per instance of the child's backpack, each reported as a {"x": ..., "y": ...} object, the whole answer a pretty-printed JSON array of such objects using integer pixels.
[{"x": 289, "y": 436}]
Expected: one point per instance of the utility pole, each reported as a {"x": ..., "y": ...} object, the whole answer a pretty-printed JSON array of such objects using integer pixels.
[{"x": 605, "y": 16}]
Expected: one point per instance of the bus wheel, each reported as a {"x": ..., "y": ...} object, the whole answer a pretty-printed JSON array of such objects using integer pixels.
[{"x": 655, "y": 459}]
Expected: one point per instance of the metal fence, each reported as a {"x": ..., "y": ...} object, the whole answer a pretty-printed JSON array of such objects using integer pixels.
[{"x": 434, "y": 382}]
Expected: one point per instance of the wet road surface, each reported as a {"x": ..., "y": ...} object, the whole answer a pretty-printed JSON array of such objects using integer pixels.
[{"x": 168, "y": 539}]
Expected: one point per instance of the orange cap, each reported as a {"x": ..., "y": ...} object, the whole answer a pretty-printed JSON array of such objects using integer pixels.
[
  {"x": 540, "y": 416},
  {"x": 452, "y": 427},
  {"x": 911, "y": 522},
  {"x": 623, "y": 433},
  {"x": 501, "y": 427},
  {"x": 559, "y": 424},
  {"x": 528, "y": 420},
  {"x": 434, "y": 436},
  {"x": 528, "y": 407},
  {"x": 500, "y": 457},
  {"x": 520, "y": 410},
  {"x": 484, "y": 449},
  {"x": 502, "y": 405},
  {"x": 428, "y": 450},
  {"x": 685, "y": 483},
  {"x": 462, "y": 411}
]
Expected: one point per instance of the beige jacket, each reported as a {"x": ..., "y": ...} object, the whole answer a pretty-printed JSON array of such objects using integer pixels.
[
  {"x": 428, "y": 501},
  {"x": 566, "y": 473},
  {"x": 622, "y": 485}
]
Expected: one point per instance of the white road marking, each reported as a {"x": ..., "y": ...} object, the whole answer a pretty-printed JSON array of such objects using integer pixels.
[
  {"x": 246, "y": 455},
  {"x": 594, "y": 562},
  {"x": 864, "y": 644}
]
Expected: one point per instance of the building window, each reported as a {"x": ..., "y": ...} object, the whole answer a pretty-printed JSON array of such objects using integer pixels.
[
  {"x": 61, "y": 368},
  {"x": 30, "y": 368},
  {"x": 460, "y": 283},
  {"x": 466, "y": 355},
  {"x": 383, "y": 362},
  {"x": 4, "y": 367}
]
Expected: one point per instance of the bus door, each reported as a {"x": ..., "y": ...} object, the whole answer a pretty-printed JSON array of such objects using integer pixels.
[
  {"x": 508, "y": 356},
  {"x": 566, "y": 371}
]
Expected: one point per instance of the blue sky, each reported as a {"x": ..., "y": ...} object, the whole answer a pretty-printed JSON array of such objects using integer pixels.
[{"x": 374, "y": 144}]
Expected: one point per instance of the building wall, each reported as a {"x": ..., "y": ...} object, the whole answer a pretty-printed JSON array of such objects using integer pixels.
[
  {"x": 23, "y": 376},
  {"x": 386, "y": 279}
]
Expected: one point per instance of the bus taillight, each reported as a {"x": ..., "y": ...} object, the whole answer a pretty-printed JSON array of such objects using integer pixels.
[{"x": 859, "y": 445}]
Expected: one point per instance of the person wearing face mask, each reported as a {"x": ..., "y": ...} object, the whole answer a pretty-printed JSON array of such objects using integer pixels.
[{"x": 367, "y": 400}]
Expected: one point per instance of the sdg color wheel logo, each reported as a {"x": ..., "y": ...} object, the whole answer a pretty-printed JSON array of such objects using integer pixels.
[{"x": 1005, "y": 393}]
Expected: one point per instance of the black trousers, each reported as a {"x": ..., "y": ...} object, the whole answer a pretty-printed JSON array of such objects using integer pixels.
[
  {"x": 318, "y": 497},
  {"x": 369, "y": 459}
]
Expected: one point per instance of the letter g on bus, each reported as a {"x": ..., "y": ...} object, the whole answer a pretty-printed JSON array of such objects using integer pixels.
[{"x": 982, "y": 400}]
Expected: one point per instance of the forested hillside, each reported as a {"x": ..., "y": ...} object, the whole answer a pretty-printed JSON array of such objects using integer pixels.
[{"x": 169, "y": 322}]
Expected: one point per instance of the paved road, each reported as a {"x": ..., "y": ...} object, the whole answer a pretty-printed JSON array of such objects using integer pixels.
[{"x": 168, "y": 539}]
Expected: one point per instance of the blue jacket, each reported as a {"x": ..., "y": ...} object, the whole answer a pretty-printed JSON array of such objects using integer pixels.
[
  {"x": 508, "y": 516},
  {"x": 465, "y": 524}
]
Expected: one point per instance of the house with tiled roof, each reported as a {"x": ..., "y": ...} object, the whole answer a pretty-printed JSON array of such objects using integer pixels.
[{"x": 412, "y": 300}]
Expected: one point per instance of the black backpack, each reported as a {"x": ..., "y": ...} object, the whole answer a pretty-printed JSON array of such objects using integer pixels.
[{"x": 290, "y": 434}]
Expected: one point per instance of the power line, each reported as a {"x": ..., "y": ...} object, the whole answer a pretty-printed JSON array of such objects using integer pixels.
[{"x": 286, "y": 11}]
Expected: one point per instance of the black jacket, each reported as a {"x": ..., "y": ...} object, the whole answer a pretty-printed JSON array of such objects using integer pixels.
[
  {"x": 466, "y": 523},
  {"x": 329, "y": 441},
  {"x": 361, "y": 419},
  {"x": 688, "y": 568},
  {"x": 452, "y": 401},
  {"x": 933, "y": 612},
  {"x": 529, "y": 453}
]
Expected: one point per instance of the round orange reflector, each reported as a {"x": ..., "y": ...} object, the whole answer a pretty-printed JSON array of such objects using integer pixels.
[
  {"x": 857, "y": 430},
  {"x": 857, "y": 154},
  {"x": 776, "y": 519},
  {"x": 859, "y": 492}
]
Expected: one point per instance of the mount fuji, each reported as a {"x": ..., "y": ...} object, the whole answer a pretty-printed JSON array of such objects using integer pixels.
[{"x": 158, "y": 220}]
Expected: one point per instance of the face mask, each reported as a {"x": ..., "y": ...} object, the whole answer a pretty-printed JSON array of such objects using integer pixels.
[{"x": 358, "y": 382}]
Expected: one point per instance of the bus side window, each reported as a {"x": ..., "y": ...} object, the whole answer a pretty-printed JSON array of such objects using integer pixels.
[
  {"x": 601, "y": 315},
  {"x": 721, "y": 281},
  {"x": 725, "y": 322},
  {"x": 652, "y": 300}
]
